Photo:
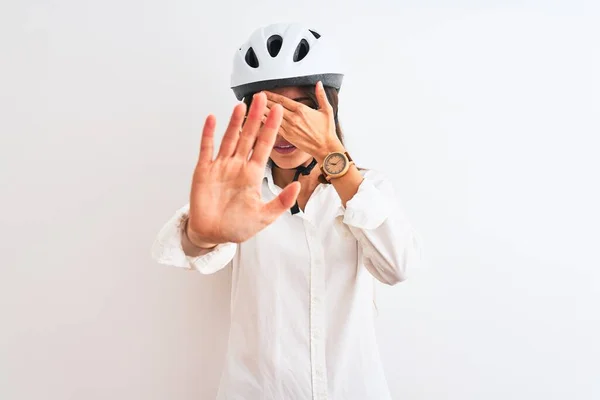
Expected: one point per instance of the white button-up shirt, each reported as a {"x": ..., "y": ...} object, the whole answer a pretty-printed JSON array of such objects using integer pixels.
[{"x": 302, "y": 294}]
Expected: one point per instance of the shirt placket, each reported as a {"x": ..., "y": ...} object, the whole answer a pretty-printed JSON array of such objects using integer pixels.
[{"x": 317, "y": 313}]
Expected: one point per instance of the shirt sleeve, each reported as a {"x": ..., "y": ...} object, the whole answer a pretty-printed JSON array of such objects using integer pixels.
[
  {"x": 374, "y": 216},
  {"x": 167, "y": 248}
]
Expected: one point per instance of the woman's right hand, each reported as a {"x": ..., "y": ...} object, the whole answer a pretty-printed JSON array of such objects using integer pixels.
[{"x": 225, "y": 200}]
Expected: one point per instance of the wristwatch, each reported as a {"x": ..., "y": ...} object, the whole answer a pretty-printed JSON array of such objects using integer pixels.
[{"x": 336, "y": 165}]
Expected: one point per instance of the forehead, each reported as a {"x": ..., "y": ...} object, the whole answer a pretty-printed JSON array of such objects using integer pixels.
[{"x": 290, "y": 91}]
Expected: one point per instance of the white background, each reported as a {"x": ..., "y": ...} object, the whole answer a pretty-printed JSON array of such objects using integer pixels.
[{"x": 485, "y": 114}]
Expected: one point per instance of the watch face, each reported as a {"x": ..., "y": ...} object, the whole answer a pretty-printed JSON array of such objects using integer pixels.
[{"x": 335, "y": 164}]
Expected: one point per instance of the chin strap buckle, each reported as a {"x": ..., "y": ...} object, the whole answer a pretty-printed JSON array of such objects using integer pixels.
[{"x": 304, "y": 171}]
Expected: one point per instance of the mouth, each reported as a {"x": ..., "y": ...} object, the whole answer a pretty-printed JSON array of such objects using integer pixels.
[{"x": 284, "y": 148}]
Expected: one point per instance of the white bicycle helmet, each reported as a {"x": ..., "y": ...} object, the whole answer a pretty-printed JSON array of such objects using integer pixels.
[{"x": 285, "y": 55}]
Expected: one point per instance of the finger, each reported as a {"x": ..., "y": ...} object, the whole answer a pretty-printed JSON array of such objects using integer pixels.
[
  {"x": 283, "y": 202},
  {"x": 252, "y": 126},
  {"x": 286, "y": 102},
  {"x": 232, "y": 133},
  {"x": 266, "y": 137},
  {"x": 284, "y": 130},
  {"x": 322, "y": 97},
  {"x": 208, "y": 140},
  {"x": 287, "y": 114},
  {"x": 286, "y": 124}
]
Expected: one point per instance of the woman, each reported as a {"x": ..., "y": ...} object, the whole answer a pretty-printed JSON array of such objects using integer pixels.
[{"x": 304, "y": 257}]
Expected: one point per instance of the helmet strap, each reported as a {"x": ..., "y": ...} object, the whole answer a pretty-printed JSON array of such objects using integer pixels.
[{"x": 301, "y": 170}]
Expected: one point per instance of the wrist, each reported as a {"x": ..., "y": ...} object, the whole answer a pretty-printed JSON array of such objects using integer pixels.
[
  {"x": 195, "y": 241},
  {"x": 332, "y": 146}
]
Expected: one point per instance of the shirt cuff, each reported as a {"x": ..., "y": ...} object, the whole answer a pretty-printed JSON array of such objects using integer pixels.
[
  {"x": 215, "y": 260},
  {"x": 369, "y": 207},
  {"x": 167, "y": 248}
]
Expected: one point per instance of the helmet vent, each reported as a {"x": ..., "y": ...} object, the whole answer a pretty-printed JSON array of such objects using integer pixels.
[
  {"x": 315, "y": 34},
  {"x": 251, "y": 59},
  {"x": 301, "y": 50},
  {"x": 274, "y": 44}
]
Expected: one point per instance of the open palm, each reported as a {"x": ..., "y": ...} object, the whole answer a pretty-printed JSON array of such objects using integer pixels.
[{"x": 225, "y": 200}]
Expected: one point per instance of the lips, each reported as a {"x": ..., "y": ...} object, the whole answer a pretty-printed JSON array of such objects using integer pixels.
[{"x": 283, "y": 146}]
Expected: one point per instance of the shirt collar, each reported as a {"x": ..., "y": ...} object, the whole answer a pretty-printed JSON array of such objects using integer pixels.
[{"x": 268, "y": 176}]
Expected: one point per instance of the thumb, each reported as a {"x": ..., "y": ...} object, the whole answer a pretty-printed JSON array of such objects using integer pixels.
[
  {"x": 285, "y": 201},
  {"x": 322, "y": 97}
]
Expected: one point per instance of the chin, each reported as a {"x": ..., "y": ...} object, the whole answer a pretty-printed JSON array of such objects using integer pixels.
[{"x": 290, "y": 161}]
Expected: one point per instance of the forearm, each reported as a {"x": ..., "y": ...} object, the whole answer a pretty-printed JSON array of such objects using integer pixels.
[
  {"x": 377, "y": 221},
  {"x": 347, "y": 185},
  {"x": 390, "y": 249}
]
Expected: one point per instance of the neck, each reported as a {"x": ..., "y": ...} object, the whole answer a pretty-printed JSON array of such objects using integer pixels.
[{"x": 283, "y": 177}]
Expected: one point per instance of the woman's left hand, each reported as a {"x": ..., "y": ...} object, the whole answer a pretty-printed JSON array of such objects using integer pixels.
[{"x": 310, "y": 130}]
